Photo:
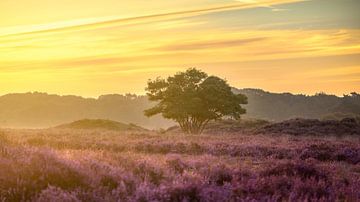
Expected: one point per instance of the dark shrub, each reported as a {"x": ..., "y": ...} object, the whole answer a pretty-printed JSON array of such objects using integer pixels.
[
  {"x": 220, "y": 175},
  {"x": 148, "y": 173},
  {"x": 302, "y": 170},
  {"x": 321, "y": 152},
  {"x": 185, "y": 192},
  {"x": 350, "y": 155},
  {"x": 109, "y": 182},
  {"x": 176, "y": 165}
]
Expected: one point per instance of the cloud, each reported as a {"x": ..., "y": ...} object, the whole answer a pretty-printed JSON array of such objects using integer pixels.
[
  {"x": 279, "y": 9},
  {"x": 210, "y": 44},
  {"x": 113, "y": 21},
  {"x": 128, "y": 51}
]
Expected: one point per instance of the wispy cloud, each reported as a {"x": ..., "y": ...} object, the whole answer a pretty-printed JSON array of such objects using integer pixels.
[
  {"x": 126, "y": 51},
  {"x": 112, "y": 21},
  {"x": 279, "y": 9},
  {"x": 210, "y": 44}
]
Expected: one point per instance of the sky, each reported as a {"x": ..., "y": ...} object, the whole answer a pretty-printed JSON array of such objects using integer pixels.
[{"x": 90, "y": 48}]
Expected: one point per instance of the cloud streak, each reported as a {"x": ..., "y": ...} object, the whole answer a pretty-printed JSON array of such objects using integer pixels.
[
  {"x": 122, "y": 53},
  {"x": 210, "y": 44},
  {"x": 98, "y": 23}
]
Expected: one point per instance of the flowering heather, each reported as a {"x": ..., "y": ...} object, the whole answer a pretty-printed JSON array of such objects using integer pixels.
[{"x": 90, "y": 165}]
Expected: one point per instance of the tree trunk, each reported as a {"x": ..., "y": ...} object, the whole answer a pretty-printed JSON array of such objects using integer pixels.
[{"x": 193, "y": 126}]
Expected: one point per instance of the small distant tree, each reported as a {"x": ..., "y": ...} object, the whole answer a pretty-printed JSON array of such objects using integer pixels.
[{"x": 192, "y": 99}]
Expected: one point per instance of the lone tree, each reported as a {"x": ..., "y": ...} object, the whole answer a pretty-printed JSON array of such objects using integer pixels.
[{"x": 192, "y": 98}]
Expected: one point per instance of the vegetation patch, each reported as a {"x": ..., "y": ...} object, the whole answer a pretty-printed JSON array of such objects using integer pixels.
[
  {"x": 346, "y": 126},
  {"x": 102, "y": 124}
]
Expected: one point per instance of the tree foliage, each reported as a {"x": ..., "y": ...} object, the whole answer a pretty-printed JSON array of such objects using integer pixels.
[{"x": 192, "y": 98}]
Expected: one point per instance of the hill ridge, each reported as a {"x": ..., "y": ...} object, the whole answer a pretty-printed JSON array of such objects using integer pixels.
[
  {"x": 35, "y": 110},
  {"x": 100, "y": 124}
]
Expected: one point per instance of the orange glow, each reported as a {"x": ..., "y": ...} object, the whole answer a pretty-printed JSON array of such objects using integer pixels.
[{"x": 107, "y": 50}]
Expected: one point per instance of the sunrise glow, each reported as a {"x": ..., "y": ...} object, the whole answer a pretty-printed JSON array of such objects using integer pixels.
[{"x": 91, "y": 48}]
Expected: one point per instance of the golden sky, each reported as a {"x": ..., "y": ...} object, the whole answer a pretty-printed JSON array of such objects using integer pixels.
[{"x": 96, "y": 47}]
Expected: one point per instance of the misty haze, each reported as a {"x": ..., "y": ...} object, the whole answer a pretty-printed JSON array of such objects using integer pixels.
[{"x": 179, "y": 101}]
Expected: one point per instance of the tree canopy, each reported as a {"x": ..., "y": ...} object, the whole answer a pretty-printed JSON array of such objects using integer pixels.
[{"x": 192, "y": 98}]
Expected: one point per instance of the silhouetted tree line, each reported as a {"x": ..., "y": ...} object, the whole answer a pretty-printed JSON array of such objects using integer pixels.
[
  {"x": 41, "y": 109},
  {"x": 282, "y": 106}
]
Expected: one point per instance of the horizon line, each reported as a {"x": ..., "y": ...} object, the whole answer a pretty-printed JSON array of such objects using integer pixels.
[{"x": 144, "y": 94}]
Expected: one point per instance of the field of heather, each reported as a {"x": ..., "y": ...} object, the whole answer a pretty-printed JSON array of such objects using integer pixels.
[{"x": 84, "y": 165}]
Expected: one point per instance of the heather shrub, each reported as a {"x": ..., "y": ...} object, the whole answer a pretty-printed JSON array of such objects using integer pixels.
[
  {"x": 346, "y": 126},
  {"x": 301, "y": 169},
  {"x": 183, "y": 192},
  {"x": 35, "y": 170},
  {"x": 109, "y": 182},
  {"x": 321, "y": 152},
  {"x": 56, "y": 194},
  {"x": 326, "y": 152},
  {"x": 220, "y": 175},
  {"x": 148, "y": 173},
  {"x": 214, "y": 193},
  {"x": 250, "y": 151},
  {"x": 165, "y": 148},
  {"x": 107, "y": 166},
  {"x": 195, "y": 148},
  {"x": 350, "y": 155},
  {"x": 151, "y": 148},
  {"x": 312, "y": 190},
  {"x": 226, "y": 126},
  {"x": 291, "y": 181},
  {"x": 146, "y": 192},
  {"x": 176, "y": 164},
  {"x": 263, "y": 189}
]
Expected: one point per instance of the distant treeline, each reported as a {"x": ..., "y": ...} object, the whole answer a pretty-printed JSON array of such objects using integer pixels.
[
  {"x": 283, "y": 106},
  {"x": 44, "y": 110},
  {"x": 33, "y": 110}
]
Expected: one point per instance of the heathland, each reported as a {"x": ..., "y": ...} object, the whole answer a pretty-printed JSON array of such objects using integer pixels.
[{"x": 238, "y": 164}]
